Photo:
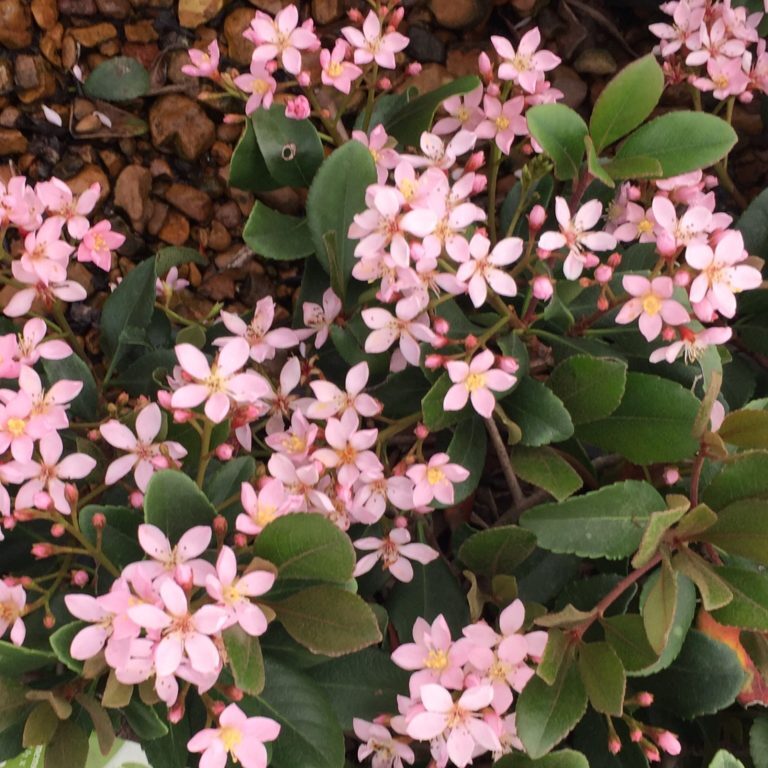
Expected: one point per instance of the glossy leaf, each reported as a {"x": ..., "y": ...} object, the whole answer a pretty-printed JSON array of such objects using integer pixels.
[
  {"x": 245, "y": 660},
  {"x": 497, "y": 550},
  {"x": 117, "y": 79},
  {"x": 174, "y": 504},
  {"x": 749, "y": 607},
  {"x": 594, "y": 166},
  {"x": 539, "y": 413},
  {"x": 626, "y": 634},
  {"x": 659, "y": 608},
  {"x": 277, "y": 236},
  {"x": 741, "y": 530},
  {"x": 69, "y": 746},
  {"x": 603, "y": 676},
  {"x": 119, "y": 540},
  {"x": 746, "y": 428},
  {"x": 743, "y": 478},
  {"x": 16, "y": 660},
  {"x": 547, "y": 469},
  {"x": 74, "y": 368},
  {"x": 560, "y": 131},
  {"x": 639, "y": 167},
  {"x": 468, "y": 448},
  {"x": 604, "y": 523},
  {"x": 247, "y": 168},
  {"x": 658, "y": 525},
  {"x": 563, "y": 758},
  {"x": 715, "y": 593},
  {"x": 435, "y": 415},
  {"x": 753, "y": 226}
]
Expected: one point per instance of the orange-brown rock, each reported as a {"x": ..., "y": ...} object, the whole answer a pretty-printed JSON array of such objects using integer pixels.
[
  {"x": 15, "y": 24},
  {"x": 190, "y": 201},
  {"x": 12, "y": 142},
  {"x": 326, "y": 11},
  {"x": 239, "y": 48},
  {"x": 179, "y": 124},
  {"x": 459, "y": 14},
  {"x": 90, "y": 37},
  {"x": 46, "y": 13},
  {"x": 89, "y": 174},
  {"x": 141, "y": 32},
  {"x": 132, "y": 194},
  {"x": 175, "y": 229}
]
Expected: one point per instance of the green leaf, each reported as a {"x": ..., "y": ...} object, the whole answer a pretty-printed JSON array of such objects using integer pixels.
[
  {"x": 144, "y": 720},
  {"x": 546, "y": 714},
  {"x": 605, "y": 523},
  {"x": 715, "y": 593},
  {"x": 118, "y": 537},
  {"x": 175, "y": 504},
  {"x": 547, "y": 469},
  {"x": 291, "y": 148},
  {"x": 681, "y": 141},
  {"x": 435, "y": 416},
  {"x": 85, "y": 405},
  {"x": 175, "y": 256},
  {"x": 139, "y": 377},
  {"x": 328, "y": 620},
  {"x": 363, "y": 684},
  {"x": 247, "y": 168},
  {"x": 12, "y": 702},
  {"x": 433, "y": 590},
  {"x": 744, "y": 477},
  {"x": 591, "y": 388},
  {"x": 626, "y": 635},
  {"x": 659, "y": 608},
  {"x": 307, "y": 546},
  {"x": 40, "y": 726},
  {"x": 556, "y": 653},
  {"x": 626, "y": 101},
  {"x": 724, "y": 759},
  {"x": 118, "y": 79},
  {"x": 594, "y": 166},
  {"x": 468, "y": 448},
  {"x": 15, "y": 660},
  {"x": 336, "y": 195},
  {"x": 541, "y": 415},
  {"x": 634, "y": 168},
  {"x": 411, "y": 120},
  {"x": 705, "y": 678},
  {"x": 658, "y": 524},
  {"x": 758, "y": 742},
  {"x": 245, "y": 660},
  {"x": 170, "y": 749},
  {"x": 603, "y": 676},
  {"x": 497, "y": 550},
  {"x": 685, "y": 608},
  {"x": 69, "y": 746},
  {"x": 749, "y": 607},
  {"x": 102, "y": 725},
  {"x": 276, "y": 235},
  {"x": 652, "y": 424},
  {"x": 741, "y": 530},
  {"x": 753, "y": 225},
  {"x": 563, "y": 758},
  {"x": 310, "y": 735},
  {"x": 61, "y": 641},
  {"x": 746, "y": 428},
  {"x": 561, "y": 132}
]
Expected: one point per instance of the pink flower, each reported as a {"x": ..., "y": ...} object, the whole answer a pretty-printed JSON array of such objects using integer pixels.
[
  {"x": 319, "y": 319},
  {"x": 410, "y": 325},
  {"x": 144, "y": 456},
  {"x": 371, "y": 45},
  {"x": 204, "y": 64},
  {"x": 19, "y": 427},
  {"x": 526, "y": 66},
  {"x": 271, "y": 502},
  {"x": 281, "y": 37},
  {"x": 98, "y": 243},
  {"x": 459, "y": 722},
  {"x": 464, "y": 113},
  {"x": 685, "y": 30},
  {"x": 381, "y": 146},
  {"x": 57, "y": 197},
  {"x": 387, "y": 752},
  {"x": 576, "y": 235},
  {"x": 263, "y": 341},
  {"x": 28, "y": 347},
  {"x": 476, "y": 382},
  {"x": 726, "y": 78},
  {"x": 337, "y": 72},
  {"x": 238, "y": 736},
  {"x": 503, "y": 122},
  {"x": 392, "y": 550},
  {"x": 721, "y": 274},
  {"x": 21, "y": 302},
  {"x": 652, "y": 302},
  {"x": 690, "y": 229},
  {"x": 45, "y": 255},
  {"x": 218, "y": 383},
  {"x": 12, "y": 603},
  {"x": 331, "y": 401},
  {"x": 479, "y": 269},
  {"x": 259, "y": 85},
  {"x": 298, "y": 108},
  {"x": 691, "y": 344},
  {"x": 232, "y": 593},
  {"x": 172, "y": 283},
  {"x": 668, "y": 742},
  {"x": 185, "y": 635},
  {"x": 348, "y": 452},
  {"x": 48, "y": 474},
  {"x": 435, "y": 480}
]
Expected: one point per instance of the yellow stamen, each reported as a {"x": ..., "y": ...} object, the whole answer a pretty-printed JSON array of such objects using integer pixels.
[
  {"x": 475, "y": 381},
  {"x": 651, "y": 305}
]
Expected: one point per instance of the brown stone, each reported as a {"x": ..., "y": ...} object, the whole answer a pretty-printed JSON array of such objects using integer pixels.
[
  {"x": 9, "y": 117},
  {"x": 26, "y": 75},
  {"x": 80, "y": 274},
  {"x": 34, "y": 77},
  {"x": 46, "y": 13},
  {"x": 77, "y": 7},
  {"x": 146, "y": 53},
  {"x": 113, "y": 162},
  {"x": 460, "y": 62},
  {"x": 229, "y": 215},
  {"x": 190, "y": 201},
  {"x": 595, "y": 61},
  {"x": 132, "y": 193},
  {"x": 229, "y": 132},
  {"x": 159, "y": 168},
  {"x": 6, "y": 76},
  {"x": 239, "y": 48},
  {"x": 88, "y": 124},
  {"x": 747, "y": 121},
  {"x": 431, "y": 76},
  {"x": 110, "y": 49},
  {"x": 90, "y": 37},
  {"x": 219, "y": 287},
  {"x": 50, "y": 44},
  {"x": 268, "y": 6},
  {"x": 326, "y": 11},
  {"x": 177, "y": 60},
  {"x": 114, "y": 9},
  {"x": 175, "y": 229},
  {"x": 459, "y": 14},
  {"x": 193, "y": 13},
  {"x": 218, "y": 237},
  {"x": 157, "y": 219},
  {"x": 179, "y": 124},
  {"x": 68, "y": 52},
  {"x": 15, "y": 24},
  {"x": 12, "y": 142},
  {"x": 141, "y": 32},
  {"x": 88, "y": 175},
  {"x": 221, "y": 152},
  {"x": 573, "y": 87}
]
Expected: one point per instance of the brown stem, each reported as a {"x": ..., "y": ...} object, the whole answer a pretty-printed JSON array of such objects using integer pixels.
[{"x": 506, "y": 465}]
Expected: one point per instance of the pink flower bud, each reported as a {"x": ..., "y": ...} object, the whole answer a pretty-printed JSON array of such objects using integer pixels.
[
  {"x": 470, "y": 342},
  {"x": 651, "y": 753},
  {"x": 298, "y": 108},
  {"x": 217, "y": 707},
  {"x": 397, "y": 17},
  {"x": 355, "y": 16},
  {"x": 176, "y": 712},
  {"x": 181, "y": 416},
  {"x": 479, "y": 184},
  {"x": 241, "y": 540},
  {"x": 42, "y": 500},
  {"x": 303, "y": 79},
  {"x": 401, "y": 522},
  {"x": 543, "y": 253},
  {"x": 413, "y": 69},
  {"x": 666, "y": 244},
  {"x": 614, "y": 745},
  {"x": 220, "y": 525},
  {"x": 80, "y": 578},
  {"x": 160, "y": 462},
  {"x": 591, "y": 260},
  {"x": 58, "y": 530},
  {"x": 224, "y": 452},
  {"x": 98, "y": 521},
  {"x": 668, "y": 333},
  {"x": 164, "y": 399},
  {"x": 668, "y": 742},
  {"x": 682, "y": 278},
  {"x": 232, "y": 119},
  {"x": 421, "y": 432},
  {"x": 476, "y": 161},
  {"x": 384, "y": 84},
  {"x": 93, "y": 435},
  {"x": 136, "y": 499},
  {"x": 542, "y": 287},
  {"x": 485, "y": 67},
  {"x": 232, "y": 692},
  {"x": 493, "y": 89},
  {"x": 536, "y": 218},
  {"x": 635, "y": 734},
  {"x": 614, "y": 259},
  {"x": 271, "y": 67},
  {"x": 41, "y": 550},
  {"x": 602, "y": 303},
  {"x": 633, "y": 193},
  {"x": 49, "y": 621},
  {"x": 416, "y": 250},
  {"x": 671, "y": 476},
  {"x": 508, "y": 364},
  {"x": 603, "y": 274},
  {"x": 439, "y": 342},
  {"x": 433, "y": 362},
  {"x": 441, "y": 326},
  {"x": 645, "y": 698}
]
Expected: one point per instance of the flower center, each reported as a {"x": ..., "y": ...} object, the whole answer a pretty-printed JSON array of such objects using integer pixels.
[
  {"x": 645, "y": 226},
  {"x": 230, "y": 738},
  {"x": 475, "y": 381},
  {"x": 265, "y": 514},
  {"x": 407, "y": 188},
  {"x": 498, "y": 671},
  {"x": 334, "y": 69},
  {"x": 434, "y": 475},
  {"x": 99, "y": 243},
  {"x": 260, "y": 87},
  {"x": 651, "y": 304},
  {"x": 294, "y": 444},
  {"x": 16, "y": 426},
  {"x": 231, "y": 595},
  {"x": 462, "y": 115},
  {"x": 721, "y": 81},
  {"x": 437, "y": 660},
  {"x": 502, "y": 123},
  {"x": 9, "y": 612},
  {"x": 348, "y": 455}
]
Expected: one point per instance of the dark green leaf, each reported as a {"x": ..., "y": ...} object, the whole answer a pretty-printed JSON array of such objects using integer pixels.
[
  {"x": 560, "y": 131},
  {"x": 276, "y": 235},
  {"x": 603, "y": 676},
  {"x": 169, "y": 750},
  {"x": 626, "y": 634},
  {"x": 681, "y": 141},
  {"x": 118, "y": 537},
  {"x": 652, "y": 424},
  {"x": 627, "y": 100},
  {"x": 117, "y": 79},
  {"x": 175, "y": 256},
  {"x": 497, "y": 550},
  {"x": 16, "y": 660},
  {"x": 658, "y": 525},
  {"x": 634, "y": 168},
  {"x": 604, "y": 523},
  {"x": 85, "y": 405},
  {"x": 247, "y": 169},
  {"x": 40, "y": 726},
  {"x": 175, "y": 504},
  {"x": 467, "y": 448},
  {"x": 144, "y": 720},
  {"x": 749, "y": 607},
  {"x": 245, "y": 660},
  {"x": 435, "y": 415},
  {"x": 744, "y": 477},
  {"x": 564, "y": 758},
  {"x": 758, "y": 742},
  {"x": 547, "y": 469},
  {"x": 715, "y": 593},
  {"x": 61, "y": 641},
  {"x": 741, "y": 530},
  {"x": 541, "y": 415},
  {"x": 69, "y": 746},
  {"x": 659, "y": 608},
  {"x": 753, "y": 225},
  {"x": 594, "y": 166}
]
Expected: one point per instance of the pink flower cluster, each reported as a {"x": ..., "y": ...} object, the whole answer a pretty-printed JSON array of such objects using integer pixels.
[
  {"x": 718, "y": 37},
  {"x": 53, "y": 225},
  {"x": 461, "y": 692}
]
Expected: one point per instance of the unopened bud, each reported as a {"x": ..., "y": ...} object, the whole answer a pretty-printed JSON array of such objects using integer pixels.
[
  {"x": 98, "y": 521},
  {"x": 470, "y": 342},
  {"x": 271, "y": 67},
  {"x": 224, "y": 452},
  {"x": 176, "y": 712},
  {"x": 396, "y": 17},
  {"x": 303, "y": 79},
  {"x": 614, "y": 259},
  {"x": 232, "y": 692},
  {"x": 41, "y": 550},
  {"x": 440, "y": 341},
  {"x": 682, "y": 278},
  {"x": 42, "y": 501},
  {"x": 80, "y": 578},
  {"x": 123, "y": 398},
  {"x": 536, "y": 218},
  {"x": 602, "y": 303},
  {"x": 401, "y": 522},
  {"x": 603, "y": 274},
  {"x": 476, "y": 161},
  {"x": 508, "y": 364},
  {"x": 182, "y": 416},
  {"x": 479, "y": 184},
  {"x": 668, "y": 333},
  {"x": 384, "y": 84},
  {"x": 591, "y": 260},
  {"x": 668, "y": 742},
  {"x": 441, "y": 326},
  {"x": 614, "y": 745},
  {"x": 485, "y": 67},
  {"x": 542, "y": 287},
  {"x": 355, "y": 16},
  {"x": 241, "y": 540},
  {"x": 57, "y": 530},
  {"x": 433, "y": 362},
  {"x": 645, "y": 698},
  {"x": 217, "y": 707},
  {"x": 633, "y": 192},
  {"x": 71, "y": 494},
  {"x": 136, "y": 499},
  {"x": 671, "y": 476},
  {"x": 635, "y": 734},
  {"x": 220, "y": 525},
  {"x": 421, "y": 432},
  {"x": 413, "y": 69},
  {"x": 164, "y": 399},
  {"x": 93, "y": 435},
  {"x": 651, "y": 753},
  {"x": 49, "y": 621}
]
